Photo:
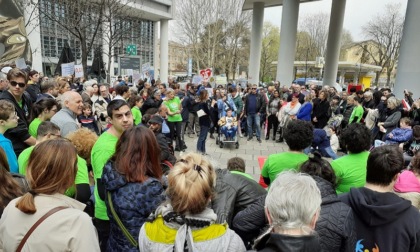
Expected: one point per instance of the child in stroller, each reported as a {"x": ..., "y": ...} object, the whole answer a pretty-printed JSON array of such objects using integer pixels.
[{"x": 228, "y": 125}]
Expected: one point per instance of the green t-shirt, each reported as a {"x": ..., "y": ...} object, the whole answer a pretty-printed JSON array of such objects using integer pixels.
[
  {"x": 137, "y": 116},
  {"x": 350, "y": 171},
  {"x": 102, "y": 151},
  {"x": 357, "y": 112},
  {"x": 277, "y": 163},
  {"x": 81, "y": 175},
  {"x": 33, "y": 127},
  {"x": 173, "y": 105}
]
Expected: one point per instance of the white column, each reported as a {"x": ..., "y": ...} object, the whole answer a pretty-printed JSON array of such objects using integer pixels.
[
  {"x": 338, "y": 9},
  {"x": 256, "y": 43},
  {"x": 34, "y": 35},
  {"x": 408, "y": 73},
  {"x": 164, "y": 31},
  {"x": 288, "y": 30},
  {"x": 342, "y": 76},
  {"x": 156, "y": 63}
]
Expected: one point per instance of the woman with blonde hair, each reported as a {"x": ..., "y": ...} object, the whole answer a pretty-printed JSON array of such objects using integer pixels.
[
  {"x": 174, "y": 118},
  {"x": 185, "y": 221},
  {"x": 55, "y": 221}
]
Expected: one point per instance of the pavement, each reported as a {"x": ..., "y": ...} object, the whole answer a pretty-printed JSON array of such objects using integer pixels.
[{"x": 248, "y": 150}]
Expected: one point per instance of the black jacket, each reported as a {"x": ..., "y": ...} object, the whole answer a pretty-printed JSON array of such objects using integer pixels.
[
  {"x": 192, "y": 105},
  {"x": 335, "y": 225},
  {"x": 19, "y": 134},
  {"x": 165, "y": 151},
  {"x": 384, "y": 221},
  {"x": 273, "y": 242},
  {"x": 150, "y": 103},
  {"x": 33, "y": 90},
  {"x": 234, "y": 193},
  {"x": 261, "y": 107},
  {"x": 320, "y": 111}
]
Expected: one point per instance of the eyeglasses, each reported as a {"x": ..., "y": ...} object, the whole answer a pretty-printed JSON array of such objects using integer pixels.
[{"x": 21, "y": 84}]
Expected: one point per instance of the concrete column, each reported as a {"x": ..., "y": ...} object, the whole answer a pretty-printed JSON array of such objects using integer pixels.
[
  {"x": 288, "y": 30},
  {"x": 256, "y": 43},
  {"x": 333, "y": 43},
  {"x": 342, "y": 76},
  {"x": 164, "y": 44},
  {"x": 34, "y": 35},
  {"x": 156, "y": 63},
  {"x": 408, "y": 73}
]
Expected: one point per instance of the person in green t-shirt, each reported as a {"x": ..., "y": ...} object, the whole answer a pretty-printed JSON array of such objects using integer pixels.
[
  {"x": 102, "y": 151},
  {"x": 357, "y": 113},
  {"x": 173, "y": 103},
  {"x": 136, "y": 102},
  {"x": 298, "y": 135},
  {"x": 42, "y": 110},
  {"x": 350, "y": 170},
  {"x": 236, "y": 165},
  {"x": 47, "y": 131}
]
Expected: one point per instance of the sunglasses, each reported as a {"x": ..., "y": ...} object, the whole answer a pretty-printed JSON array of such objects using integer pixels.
[
  {"x": 21, "y": 84},
  {"x": 254, "y": 88}
]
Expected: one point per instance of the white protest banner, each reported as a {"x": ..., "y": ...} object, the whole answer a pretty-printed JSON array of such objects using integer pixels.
[
  {"x": 197, "y": 79},
  {"x": 67, "y": 69},
  {"x": 78, "y": 71},
  {"x": 20, "y": 63}
]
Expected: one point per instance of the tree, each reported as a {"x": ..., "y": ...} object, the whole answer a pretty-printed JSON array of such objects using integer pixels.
[
  {"x": 316, "y": 27},
  {"x": 269, "y": 52},
  {"x": 213, "y": 32},
  {"x": 118, "y": 22},
  {"x": 80, "y": 19},
  {"x": 384, "y": 31}
]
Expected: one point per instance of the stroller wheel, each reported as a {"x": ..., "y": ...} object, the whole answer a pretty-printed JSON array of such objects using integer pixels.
[
  {"x": 217, "y": 140},
  {"x": 221, "y": 144},
  {"x": 237, "y": 145}
]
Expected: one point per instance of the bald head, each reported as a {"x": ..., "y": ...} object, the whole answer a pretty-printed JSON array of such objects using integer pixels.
[{"x": 72, "y": 101}]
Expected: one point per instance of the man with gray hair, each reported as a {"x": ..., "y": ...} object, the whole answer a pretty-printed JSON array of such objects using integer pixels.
[
  {"x": 66, "y": 118},
  {"x": 4, "y": 83},
  {"x": 292, "y": 208},
  {"x": 49, "y": 89}
]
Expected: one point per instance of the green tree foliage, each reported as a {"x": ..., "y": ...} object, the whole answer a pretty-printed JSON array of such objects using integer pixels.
[{"x": 269, "y": 52}]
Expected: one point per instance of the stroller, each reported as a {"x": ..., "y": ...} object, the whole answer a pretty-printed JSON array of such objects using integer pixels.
[{"x": 224, "y": 135}]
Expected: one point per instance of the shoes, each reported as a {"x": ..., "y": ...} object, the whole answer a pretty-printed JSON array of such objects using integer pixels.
[
  {"x": 249, "y": 138},
  {"x": 259, "y": 140},
  {"x": 211, "y": 136},
  {"x": 267, "y": 137},
  {"x": 241, "y": 136},
  {"x": 274, "y": 138},
  {"x": 280, "y": 140},
  {"x": 177, "y": 149},
  {"x": 184, "y": 147}
]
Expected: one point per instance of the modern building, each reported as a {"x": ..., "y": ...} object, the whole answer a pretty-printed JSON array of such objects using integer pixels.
[
  {"x": 47, "y": 38},
  {"x": 177, "y": 58}
]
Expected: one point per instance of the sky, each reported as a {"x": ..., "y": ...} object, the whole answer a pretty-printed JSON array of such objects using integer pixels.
[{"x": 358, "y": 12}]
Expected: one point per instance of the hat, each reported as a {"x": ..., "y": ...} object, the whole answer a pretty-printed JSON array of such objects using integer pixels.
[{"x": 156, "y": 119}]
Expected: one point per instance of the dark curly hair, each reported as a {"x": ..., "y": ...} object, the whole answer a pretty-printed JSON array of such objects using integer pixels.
[
  {"x": 356, "y": 137},
  {"x": 317, "y": 166},
  {"x": 383, "y": 164},
  {"x": 298, "y": 135}
]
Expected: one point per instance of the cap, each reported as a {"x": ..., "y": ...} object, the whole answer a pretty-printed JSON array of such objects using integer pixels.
[{"x": 156, "y": 119}]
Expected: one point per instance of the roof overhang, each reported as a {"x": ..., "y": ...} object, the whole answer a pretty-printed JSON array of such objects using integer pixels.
[{"x": 249, "y": 4}]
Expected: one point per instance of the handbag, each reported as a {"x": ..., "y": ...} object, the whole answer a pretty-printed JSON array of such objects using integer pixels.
[
  {"x": 45, "y": 216},
  {"x": 120, "y": 224}
]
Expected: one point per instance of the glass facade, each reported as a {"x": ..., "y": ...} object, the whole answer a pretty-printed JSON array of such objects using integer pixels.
[{"x": 130, "y": 31}]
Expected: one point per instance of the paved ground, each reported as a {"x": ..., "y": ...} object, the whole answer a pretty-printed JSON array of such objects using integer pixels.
[{"x": 248, "y": 150}]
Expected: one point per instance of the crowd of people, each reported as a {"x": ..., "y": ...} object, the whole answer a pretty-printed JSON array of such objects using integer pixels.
[{"x": 92, "y": 167}]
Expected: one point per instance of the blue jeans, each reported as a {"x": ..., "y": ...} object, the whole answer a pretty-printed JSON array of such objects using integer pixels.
[
  {"x": 229, "y": 132},
  {"x": 201, "y": 142},
  {"x": 253, "y": 120}
]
